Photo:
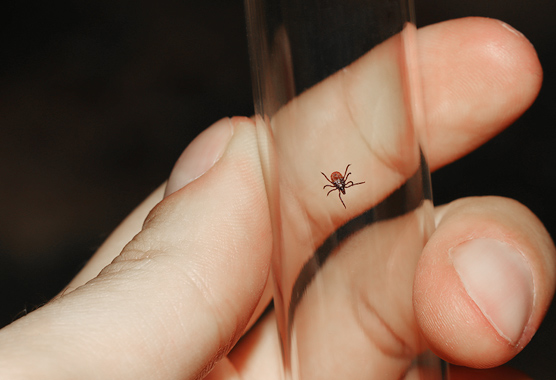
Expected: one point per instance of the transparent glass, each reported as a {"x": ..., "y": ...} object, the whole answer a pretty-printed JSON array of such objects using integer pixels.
[{"x": 339, "y": 123}]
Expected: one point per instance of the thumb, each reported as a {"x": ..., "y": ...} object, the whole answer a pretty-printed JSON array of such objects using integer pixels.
[
  {"x": 181, "y": 292},
  {"x": 484, "y": 281}
]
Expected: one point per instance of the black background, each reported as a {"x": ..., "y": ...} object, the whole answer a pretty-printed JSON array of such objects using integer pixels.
[{"x": 98, "y": 98}]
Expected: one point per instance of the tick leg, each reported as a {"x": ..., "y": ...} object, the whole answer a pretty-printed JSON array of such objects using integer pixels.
[
  {"x": 328, "y": 186},
  {"x": 331, "y": 191},
  {"x": 326, "y": 177},
  {"x": 345, "y": 176},
  {"x": 341, "y": 200},
  {"x": 350, "y": 184}
]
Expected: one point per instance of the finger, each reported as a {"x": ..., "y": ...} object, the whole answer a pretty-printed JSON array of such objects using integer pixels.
[
  {"x": 357, "y": 308},
  {"x": 201, "y": 153},
  {"x": 254, "y": 355},
  {"x": 484, "y": 281},
  {"x": 176, "y": 299},
  {"x": 479, "y": 75},
  {"x": 116, "y": 241}
]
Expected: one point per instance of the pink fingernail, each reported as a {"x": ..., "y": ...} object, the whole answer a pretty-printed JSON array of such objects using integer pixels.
[
  {"x": 200, "y": 155},
  {"x": 498, "y": 279}
]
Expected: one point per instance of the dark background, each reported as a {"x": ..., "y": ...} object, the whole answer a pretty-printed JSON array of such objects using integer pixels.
[{"x": 98, "y": 98}]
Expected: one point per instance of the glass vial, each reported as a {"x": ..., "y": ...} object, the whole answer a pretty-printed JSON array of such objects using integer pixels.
[{"x": 339, "y": 123}]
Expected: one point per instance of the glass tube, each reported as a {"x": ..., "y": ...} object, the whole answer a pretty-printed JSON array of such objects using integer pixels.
[{"x": 340, "y": 129}]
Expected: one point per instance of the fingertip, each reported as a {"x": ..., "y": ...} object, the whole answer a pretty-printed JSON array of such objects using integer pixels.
[
  {"x": 484, "y": 282},
  {"x": 460, "y": 316},
  {"x": 200, "y": 155},
  {"x": 452, "y": 324},
  {"x": 498, "y": 278},
  {"x": 516, "y": 59},
  {"x": 529, "y": 61},
  {"x": 495, "y": 51},
  {"x": 479, "y": 76}
]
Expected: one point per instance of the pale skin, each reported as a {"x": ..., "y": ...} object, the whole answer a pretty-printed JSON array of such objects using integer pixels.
[{"x": 184, "y": 277}]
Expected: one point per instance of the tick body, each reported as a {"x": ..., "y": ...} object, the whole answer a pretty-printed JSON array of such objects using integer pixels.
[{"x": 339, "y": 182}]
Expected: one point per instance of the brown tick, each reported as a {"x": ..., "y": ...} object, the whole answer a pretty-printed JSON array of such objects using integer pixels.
[{"x": 338, "y": 182}]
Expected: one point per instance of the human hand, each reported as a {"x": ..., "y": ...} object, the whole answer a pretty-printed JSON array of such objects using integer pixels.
[{"x": 179, "y": 290}]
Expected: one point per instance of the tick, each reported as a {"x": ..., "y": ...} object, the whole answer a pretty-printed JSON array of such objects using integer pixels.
[{"x": 338, "y": 182}]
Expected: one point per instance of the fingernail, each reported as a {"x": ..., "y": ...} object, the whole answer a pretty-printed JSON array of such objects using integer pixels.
[
  {"x": 200, "y": 155},
  {"x": 499, "y": 280}
]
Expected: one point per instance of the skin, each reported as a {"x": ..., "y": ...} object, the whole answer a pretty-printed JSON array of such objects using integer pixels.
[{"x": 184, "y": 277}]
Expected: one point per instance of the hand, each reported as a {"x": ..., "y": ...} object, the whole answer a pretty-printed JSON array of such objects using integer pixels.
[{"x": 184, "y": 277}]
